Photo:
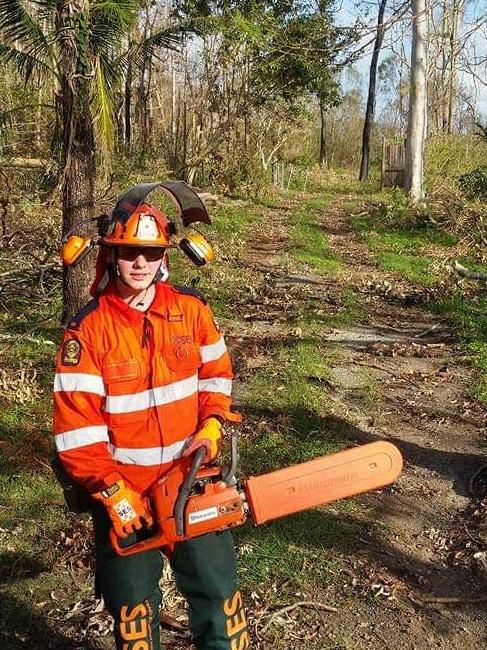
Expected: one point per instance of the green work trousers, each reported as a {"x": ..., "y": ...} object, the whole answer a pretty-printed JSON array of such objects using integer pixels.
[{"x": 205, "y": 573}]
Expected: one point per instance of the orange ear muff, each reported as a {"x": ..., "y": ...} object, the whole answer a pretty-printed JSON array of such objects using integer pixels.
[
  {"x": 75, "y": 249},
  {"x": 197, "y": 248}
]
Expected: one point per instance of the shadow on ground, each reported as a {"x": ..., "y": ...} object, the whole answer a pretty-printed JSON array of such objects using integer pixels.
[
  {"x": 351, "y": 535},
  {"x": 22, "y": 627}
]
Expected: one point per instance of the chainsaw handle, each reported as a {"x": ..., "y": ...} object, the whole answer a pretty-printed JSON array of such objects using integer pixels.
[
  {"x": 228, "y": 475},
  {"x": 144, "y": 540},
  {"x": 186, "y": 488}
]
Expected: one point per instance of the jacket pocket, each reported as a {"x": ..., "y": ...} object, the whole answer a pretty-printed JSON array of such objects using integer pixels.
[
  {"x": 121, "y": 371},
  {"x": 127, "y": 401},
  {"x": 182, "y": 357}
]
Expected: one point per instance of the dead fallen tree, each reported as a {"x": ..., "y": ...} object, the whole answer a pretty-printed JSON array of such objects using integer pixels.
[{"x": 469, "y": 274}]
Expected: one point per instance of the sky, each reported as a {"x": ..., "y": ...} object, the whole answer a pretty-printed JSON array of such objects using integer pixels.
[{"x": 347, "y": 12}]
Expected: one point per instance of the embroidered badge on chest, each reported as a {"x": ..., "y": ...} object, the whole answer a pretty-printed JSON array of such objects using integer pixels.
[
  {"x": 179, "y": 346},
  {"x": 71, "y": 352},
  {"x": 181, "y": 340}
]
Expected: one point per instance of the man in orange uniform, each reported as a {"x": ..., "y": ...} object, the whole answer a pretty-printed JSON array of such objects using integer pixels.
[{"x": 143, "y": 378}]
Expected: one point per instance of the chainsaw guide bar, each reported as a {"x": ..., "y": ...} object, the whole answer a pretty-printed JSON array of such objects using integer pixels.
[{"x": 322, "y": 480}]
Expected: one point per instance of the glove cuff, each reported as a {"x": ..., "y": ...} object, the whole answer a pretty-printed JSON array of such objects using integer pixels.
[{"x": 111, "y": 488}]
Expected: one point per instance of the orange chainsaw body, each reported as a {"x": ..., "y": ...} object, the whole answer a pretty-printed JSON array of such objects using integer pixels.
[
  {"x": 213, "y": 505},
  {"x": 216, "y": 507}
]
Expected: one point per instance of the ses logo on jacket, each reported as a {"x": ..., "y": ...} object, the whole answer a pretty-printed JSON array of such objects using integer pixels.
[{"x": 71, "y": 352}]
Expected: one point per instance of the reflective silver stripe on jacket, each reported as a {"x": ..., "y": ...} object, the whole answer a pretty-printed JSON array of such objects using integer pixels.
[
  {"x": 213, "y": 351},
  {"x": 148, "y": 455},
  {"x": 152, "y": 397},
  {"x": 216, "y": 385},
  {"x": 78, "y": 381},
  {"x": 81, "y": 437}
]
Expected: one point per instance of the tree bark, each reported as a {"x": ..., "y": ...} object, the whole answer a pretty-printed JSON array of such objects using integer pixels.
[
  {"x": 369, "y": 113},
  {"x": 452, "y": 81},
  {"x": 78, "y": 150},
  {"x": 416, "y": 132},
  {"x": 128, "y": 108},
  {"x": 322, "y": 131}
]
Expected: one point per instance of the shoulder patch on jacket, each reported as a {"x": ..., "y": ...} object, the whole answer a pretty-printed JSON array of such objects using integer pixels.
[
  {"x": 189, "y": 291},
  {"x": 71, "y": 352},
  {"x": 75, "y": 322}
]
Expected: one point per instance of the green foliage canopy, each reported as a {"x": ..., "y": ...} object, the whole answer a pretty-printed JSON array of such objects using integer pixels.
[{"x": 291, "y": 46}]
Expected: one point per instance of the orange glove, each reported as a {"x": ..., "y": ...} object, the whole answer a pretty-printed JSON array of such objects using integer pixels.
[
  {"x": 125, "y": 508},
  {"x": 208, "y": 436}
]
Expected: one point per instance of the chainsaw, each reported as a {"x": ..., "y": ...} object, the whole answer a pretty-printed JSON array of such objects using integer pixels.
[{"x": 191, "y": 499}]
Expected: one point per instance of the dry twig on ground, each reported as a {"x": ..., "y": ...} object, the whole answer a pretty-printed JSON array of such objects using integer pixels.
[{"x": 300, "y": 603}]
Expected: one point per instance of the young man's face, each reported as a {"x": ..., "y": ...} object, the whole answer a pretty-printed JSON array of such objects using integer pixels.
[{"x": 138, "y": 266}]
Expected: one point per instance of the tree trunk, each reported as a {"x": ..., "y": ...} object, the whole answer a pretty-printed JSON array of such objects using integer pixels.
[
  {"x": 416, "y": 132},
  {"x": 369, "y": 113},
  {"x": 322, "y": 131},
  {"x": 78, "y": 151},
  {"x": 128, "y": 108},
  {"x": 456, "y": 12}
]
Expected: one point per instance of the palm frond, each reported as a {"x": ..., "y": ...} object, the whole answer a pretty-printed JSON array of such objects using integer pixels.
[
  {"x": 7, "y": 117},
  {"x": 109, "y": 24},
  {"x": 167, "y": 39},
  {"x": 18, "y": 25},
  {"x": 102, "y": 108},
  {"x": 26, "y": 64}
]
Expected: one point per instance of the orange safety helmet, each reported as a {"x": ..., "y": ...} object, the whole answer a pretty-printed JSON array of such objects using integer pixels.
[
  {"x": 133, "y": 222},
  {"x": 145, "y": 227}
]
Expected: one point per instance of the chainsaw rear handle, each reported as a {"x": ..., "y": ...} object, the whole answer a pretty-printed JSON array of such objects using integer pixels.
[{"x": 149, "y": 536}]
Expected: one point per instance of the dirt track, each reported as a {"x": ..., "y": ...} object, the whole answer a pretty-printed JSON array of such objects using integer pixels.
[{"x": 425, "y": 539}]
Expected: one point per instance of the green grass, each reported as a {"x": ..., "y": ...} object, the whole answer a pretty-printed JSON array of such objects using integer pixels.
[
  {"x": 413, "y": 268},
  {"x": 401, "y": 249},
  {"x": 315, "y": 320},
  {"x": 479, "y": 354},
  {"x": 29, "y": 526},
  {"x": 289, "y": 399},
  {"x": 469, "y": 317},
  {"x": 469, "y": 320},
  {"x": 308, "y": 242},
  {"x": 404, "y": 249},
  {"x": 286, "y": 381},
  {"x": 371, "y": 393},
  {"x": 401, "y": 240},
  {"x": 298, "y": 552}
]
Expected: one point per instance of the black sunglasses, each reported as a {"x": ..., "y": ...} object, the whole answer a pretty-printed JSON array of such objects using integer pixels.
[{"x": 131, "y": 253}]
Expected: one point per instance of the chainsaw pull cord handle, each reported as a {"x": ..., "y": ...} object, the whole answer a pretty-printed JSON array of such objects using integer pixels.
[
  {"x": 186, "y": 488},
  {"x": 228, "y": 475}
]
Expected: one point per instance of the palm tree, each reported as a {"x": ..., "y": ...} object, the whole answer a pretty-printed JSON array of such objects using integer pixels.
[{"x": 77, "y": 47}]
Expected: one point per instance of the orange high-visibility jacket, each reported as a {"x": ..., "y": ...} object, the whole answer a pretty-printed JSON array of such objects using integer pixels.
[{"x": 131, "y": 387}]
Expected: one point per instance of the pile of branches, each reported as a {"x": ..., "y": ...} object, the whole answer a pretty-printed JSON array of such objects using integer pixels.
[{"x": 30, "y": 269}]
